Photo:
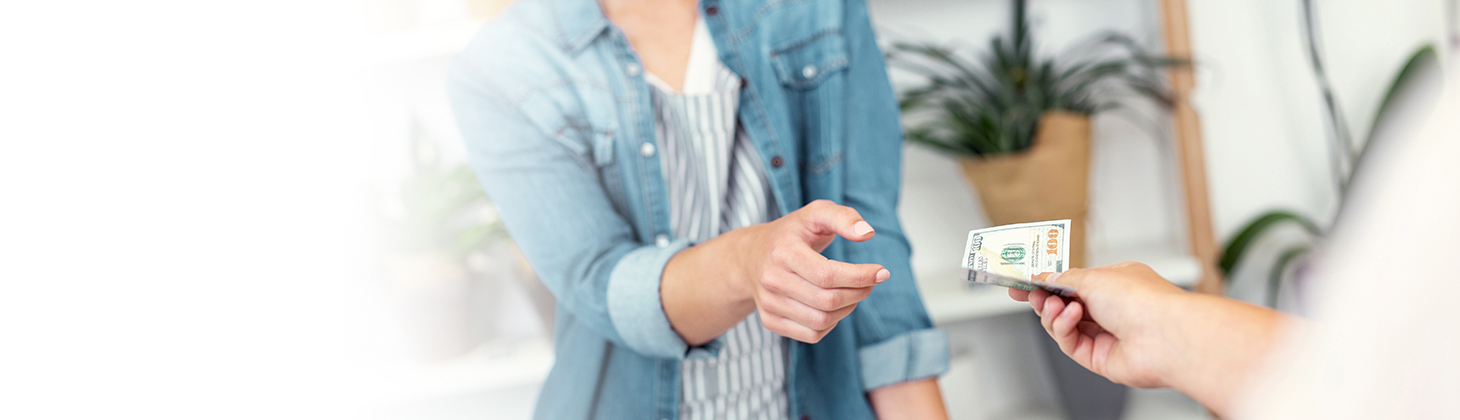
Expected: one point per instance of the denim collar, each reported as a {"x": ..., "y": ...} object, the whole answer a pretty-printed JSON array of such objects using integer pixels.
[{"x": 578, "y": 22}]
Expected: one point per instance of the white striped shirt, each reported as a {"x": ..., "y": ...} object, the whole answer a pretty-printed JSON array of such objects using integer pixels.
[{"x": 716, "y": 184}]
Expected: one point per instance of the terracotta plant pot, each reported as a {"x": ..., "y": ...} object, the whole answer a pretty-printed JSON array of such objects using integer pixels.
[{"x": 1047, "y": 182}]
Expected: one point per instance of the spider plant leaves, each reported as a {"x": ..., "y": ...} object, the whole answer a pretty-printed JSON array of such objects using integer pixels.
[
  {"x": 1275, "y": 277},
  {"x": 1245, "y": 238},
  {"x": 991, "y": 103},
  {"x": 1424, "y": 56}
]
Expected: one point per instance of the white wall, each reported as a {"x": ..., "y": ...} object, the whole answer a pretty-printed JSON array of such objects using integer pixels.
[{"x": 1262, "y": 120}]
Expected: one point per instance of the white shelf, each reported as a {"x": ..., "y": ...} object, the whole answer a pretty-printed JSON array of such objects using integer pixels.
[
  {"x": 950, "y": 300},
  {"x": 959, "y": 303},
  {"x": 1170, "y": 262}
]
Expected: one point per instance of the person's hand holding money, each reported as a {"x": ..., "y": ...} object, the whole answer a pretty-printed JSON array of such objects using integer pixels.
[
  {"x": 1113, "y": 327},
  {"x": 800, "y": 293},
  {"x": 1131, "y": 326}
]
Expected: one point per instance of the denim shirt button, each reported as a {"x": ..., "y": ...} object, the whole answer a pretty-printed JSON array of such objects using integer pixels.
[
  {"x": 776, "y": 161},
  {"x": 647, "y": 149},
  {"x": 809, "y": 71},
  {"x": 661, "y": 241},
  {"x": 633, "y": 69}
]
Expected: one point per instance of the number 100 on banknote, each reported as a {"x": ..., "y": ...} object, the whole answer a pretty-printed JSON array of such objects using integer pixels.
[{"x": 1019, "y": 256}]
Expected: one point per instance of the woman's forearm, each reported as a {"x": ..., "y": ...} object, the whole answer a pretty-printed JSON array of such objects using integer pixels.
[
  {"x": 701, "y": 293},
  {"x": 920, "y": 399}
]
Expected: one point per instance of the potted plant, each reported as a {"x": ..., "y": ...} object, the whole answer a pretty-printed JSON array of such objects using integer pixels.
[
  {"x": 1020, "y": 123},
  {"x": 442, "y": 237}
]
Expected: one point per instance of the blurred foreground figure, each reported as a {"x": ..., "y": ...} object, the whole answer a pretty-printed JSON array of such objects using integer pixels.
[{"x": 1382, "y": 343}]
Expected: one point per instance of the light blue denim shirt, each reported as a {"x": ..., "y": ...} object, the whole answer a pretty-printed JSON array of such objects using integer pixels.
[{"x": 559, "y": 127}]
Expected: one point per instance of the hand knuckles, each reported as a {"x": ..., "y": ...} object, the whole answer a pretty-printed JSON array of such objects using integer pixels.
[
  {"x": 772, "y": 284},
  {"x": 821, "y": 321},
  {"x": 821, "y": 277},
  {"x": 1133, "y": 265},
  {"x": 780, "y": 252},
  {"x": 825, "y": 300},
  {"x": 769, "y": 322},
  {"x": 766, "y": 302}
]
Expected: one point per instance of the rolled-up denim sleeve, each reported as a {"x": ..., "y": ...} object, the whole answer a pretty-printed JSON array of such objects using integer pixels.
[
  {"x": 905, "y": 357},
  {"x": 549, "y": 192},
  {"x": 896, "y": 339},
  {"x": 637, "y": 311}
]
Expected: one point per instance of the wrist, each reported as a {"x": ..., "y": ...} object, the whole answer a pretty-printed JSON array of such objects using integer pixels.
[
  {"x": 1212, "y": 342},
  {"x": 741, "y": 269},
  {"x": 1178, "y": 359}
]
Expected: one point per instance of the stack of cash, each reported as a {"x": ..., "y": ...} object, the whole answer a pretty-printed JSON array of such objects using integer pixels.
[{"x": 1020, "y": 256}]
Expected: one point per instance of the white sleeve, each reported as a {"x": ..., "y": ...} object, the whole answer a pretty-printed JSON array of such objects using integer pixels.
[{"x": 1384, "y": 342}]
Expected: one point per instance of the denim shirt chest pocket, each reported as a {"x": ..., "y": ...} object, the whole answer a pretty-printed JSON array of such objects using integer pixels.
[
  {"x": 805, "y": 63},
  {"x": 811, "y": 69}
]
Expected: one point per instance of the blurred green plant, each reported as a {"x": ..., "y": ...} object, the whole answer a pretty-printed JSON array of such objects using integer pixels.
[
  {"x": 991, "y": 104},
  {"x": 1343, "y": 155},
  {"x": 439, "y": 209}
]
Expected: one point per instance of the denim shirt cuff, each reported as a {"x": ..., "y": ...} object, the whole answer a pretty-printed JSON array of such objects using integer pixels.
[
  {"x": 634, "y": 304},
  {"x": 909, "y": 356},
  {"x": 708, "y": 350}
]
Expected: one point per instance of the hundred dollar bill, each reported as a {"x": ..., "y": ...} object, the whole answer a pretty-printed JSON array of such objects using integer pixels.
[{"x": 1019, "y": 256}]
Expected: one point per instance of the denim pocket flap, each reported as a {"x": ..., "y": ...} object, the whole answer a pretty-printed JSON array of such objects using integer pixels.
[{"x": 804, "y": 64}]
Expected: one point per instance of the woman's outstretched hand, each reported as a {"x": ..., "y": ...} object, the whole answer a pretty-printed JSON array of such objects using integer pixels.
[
  {"x": 775, "y": 268},
  {"x": 800, "y": 293}
]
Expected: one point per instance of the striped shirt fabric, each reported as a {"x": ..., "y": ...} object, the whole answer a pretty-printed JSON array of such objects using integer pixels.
[{"x": 716, "y": 184}]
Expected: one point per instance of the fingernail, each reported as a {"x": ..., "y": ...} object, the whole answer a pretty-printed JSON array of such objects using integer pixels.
[
  {"x": 862, "y": 228},
  {"x": 883, "y": 275}
]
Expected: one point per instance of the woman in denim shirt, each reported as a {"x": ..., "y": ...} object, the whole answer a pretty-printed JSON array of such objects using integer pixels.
[{"x": 562, "y": 104}]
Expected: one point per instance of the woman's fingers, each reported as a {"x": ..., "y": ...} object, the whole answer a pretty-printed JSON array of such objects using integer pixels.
[
  {"x": 790, "y": 329},
  {"x": 821, "y": 299},
  {"x": 812, "y": 318},
  {"x": 801, "y": 293},
  {"x": 824, "y": 217},
  {"x": 827, "y": 274}
]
